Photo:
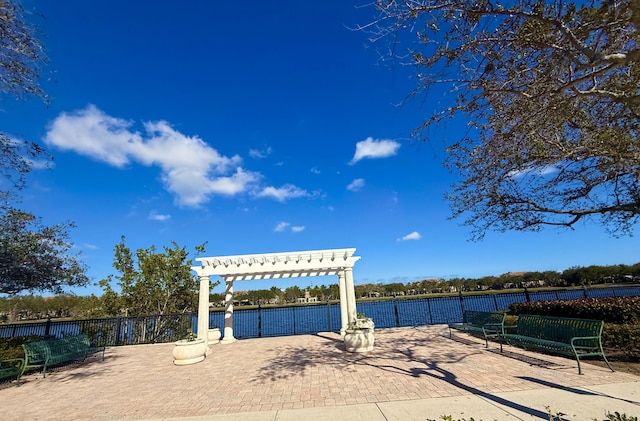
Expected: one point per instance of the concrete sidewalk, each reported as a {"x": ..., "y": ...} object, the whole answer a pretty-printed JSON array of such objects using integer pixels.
[{"x": 412, "y": 374}]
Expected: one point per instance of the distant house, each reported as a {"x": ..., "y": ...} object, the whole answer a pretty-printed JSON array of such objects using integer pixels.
[{"x": 307, "y": 298}]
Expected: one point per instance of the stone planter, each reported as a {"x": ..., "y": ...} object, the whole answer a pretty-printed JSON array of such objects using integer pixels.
[
  {"x": 214, "y": 335},
  {"x": 189, "y": 352},
  {"x": 359, "y": 340}
]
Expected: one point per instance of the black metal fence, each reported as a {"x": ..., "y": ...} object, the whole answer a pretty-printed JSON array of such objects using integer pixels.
[
  {"x": 294, "y": 320},
  {"x": 109, "y": 332}
]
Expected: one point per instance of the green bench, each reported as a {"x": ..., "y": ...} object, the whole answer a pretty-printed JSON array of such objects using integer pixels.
[
  {"x": 487, "y": 323},
  {"x": 52, "y": 352},
  {"x": 11, "y": 368},
  {"x": 575, "y": 338}
]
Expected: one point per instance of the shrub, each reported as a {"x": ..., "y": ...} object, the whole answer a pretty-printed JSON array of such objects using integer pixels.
[
  {"x": 12, "y": 348},
  {"x": 618, "y": 310},
  {"x": 624, "y": 338}
]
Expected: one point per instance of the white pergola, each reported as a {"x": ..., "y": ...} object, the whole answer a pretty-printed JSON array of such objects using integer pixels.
[{"x": 295, "y": 264}]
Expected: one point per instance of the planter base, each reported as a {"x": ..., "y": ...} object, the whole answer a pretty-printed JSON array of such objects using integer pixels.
[
  {"x": 189, "y": 361},
  {"x": 360, "y": 340},
  {"x": 213, "y": 336},
  {"x": 189, "y": 352}
]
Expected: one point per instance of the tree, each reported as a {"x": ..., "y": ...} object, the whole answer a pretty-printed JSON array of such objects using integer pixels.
[
  {"x": 35, "y": 257},
  {"x": 21, "y": 60},
  {"x": 277, "y": 293},
  {"x": 32, "y": 256},
  {"x": 153, "y": 282},
  {"x": 550, "y": 91},
  {"x": 21, "y": 54},
  {"x": 292, "y": 293}
]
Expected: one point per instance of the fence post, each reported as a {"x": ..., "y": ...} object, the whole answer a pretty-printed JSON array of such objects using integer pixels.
[
  {"x": 461, "y": 304},
  {"x": 584, "y": 291},
  {"x": 259, "y": 318},
  {"x": 118, "y": 330},
  {"x": 613, "y": 291},
  {"x": 47, "y": 326},
  {"x": 429, "y": 308},
  {"x": 495, "y": 301},
  {"x": 395, "y": 310},
  {"x": 328, "y": 316},
  {"x": 526, "y": 295}
]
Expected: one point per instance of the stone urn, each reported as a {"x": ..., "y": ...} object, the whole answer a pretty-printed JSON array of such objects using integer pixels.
[
  {"x": 214, "y": 335},
  {"x": 189, "y": 351},
  {"x": 358, "y": 336},
  {"x": 359, "y": 340}
]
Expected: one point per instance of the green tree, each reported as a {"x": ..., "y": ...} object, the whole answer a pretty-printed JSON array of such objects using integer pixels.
[
  {"x": 277, "y": 293},
  {"x": 550, "y": 93},
  {"x": 292, "y": 293},
  {"x": 254, "y": 297},
  {"x": 152, "y": 282},
  {"x": 35, "y": 257},
  {"x": 394, "y": 288}
]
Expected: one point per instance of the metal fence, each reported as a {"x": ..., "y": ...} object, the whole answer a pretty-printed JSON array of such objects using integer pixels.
[
  {"x": 294, "y": 320},
  {"x": 109, "y": 332}
]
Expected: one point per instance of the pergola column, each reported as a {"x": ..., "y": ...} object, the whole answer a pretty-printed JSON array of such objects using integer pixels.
[
  {"x": 344, "y": 314},
  {"x": 351, "y": 294},
  {"x": 256, "y": 267},
  {"x": 203, "y": 307},
  {"x": 228, "y": 313}
]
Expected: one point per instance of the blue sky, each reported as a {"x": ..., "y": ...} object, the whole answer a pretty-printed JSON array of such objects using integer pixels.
[{"x": 258, "y": 127}]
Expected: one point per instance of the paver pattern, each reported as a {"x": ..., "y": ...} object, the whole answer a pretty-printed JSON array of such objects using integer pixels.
[{"x": 141, "y": 382}]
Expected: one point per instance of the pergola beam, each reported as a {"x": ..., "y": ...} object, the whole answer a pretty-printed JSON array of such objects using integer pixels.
[{"x": 250, "y": 267}]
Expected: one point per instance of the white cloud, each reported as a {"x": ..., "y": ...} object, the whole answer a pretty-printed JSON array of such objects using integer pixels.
[
  {"x": 413, "y": 236},
  {"x": 260, "y": 154},
  {"x": 540, "y": 171},
  {"x": 40, "y": 164},
  {"x": 21, "y": 147},
  {"x": 281, "y": 226},
  {"x": 281, "y": 194},
  {"x": 371, "y": 148},
  {"x": 154, "y": 216},
  {"x": 190, "y": 168},
  {"x": 315, "y": 170},
  {"x": 356, "y": 184}
]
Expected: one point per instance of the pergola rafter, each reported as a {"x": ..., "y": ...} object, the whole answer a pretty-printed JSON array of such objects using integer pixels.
[{"x": 253, "y": 267}]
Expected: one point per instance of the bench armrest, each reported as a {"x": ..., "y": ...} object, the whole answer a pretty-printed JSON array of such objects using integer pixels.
[
  {"x": 578, "y": 338},
  {"x": 10, "y": 360},
  {"x": 510, "y": 328}
]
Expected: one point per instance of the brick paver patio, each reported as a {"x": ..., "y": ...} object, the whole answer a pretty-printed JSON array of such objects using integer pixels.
[{"x": 141, "y": 382}]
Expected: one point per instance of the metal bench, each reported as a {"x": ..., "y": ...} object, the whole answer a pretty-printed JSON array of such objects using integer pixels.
[
  {"x": 489, "y": 324},
  {"x": 11, "y": 368},
  {"x": 48, "y": 353},
  {"x": 576, "y": 338}
]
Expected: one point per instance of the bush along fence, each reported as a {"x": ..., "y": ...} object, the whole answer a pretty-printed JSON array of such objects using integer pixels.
[{"x": 295, "y": 320}]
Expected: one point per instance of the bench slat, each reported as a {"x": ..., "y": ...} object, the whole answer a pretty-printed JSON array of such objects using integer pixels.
[
  {"x": 487, "y": 323},
  {"x": 57, "y": 351},
  {"x": 567, "y": 336},
  {"x": 10, "y": 368}
]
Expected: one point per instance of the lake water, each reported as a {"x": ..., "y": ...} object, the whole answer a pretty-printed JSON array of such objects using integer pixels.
[{"x": 294, "y": 320}]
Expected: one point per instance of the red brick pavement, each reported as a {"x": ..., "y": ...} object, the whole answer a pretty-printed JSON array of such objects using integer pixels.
[{"x": 141, "y": 382}]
